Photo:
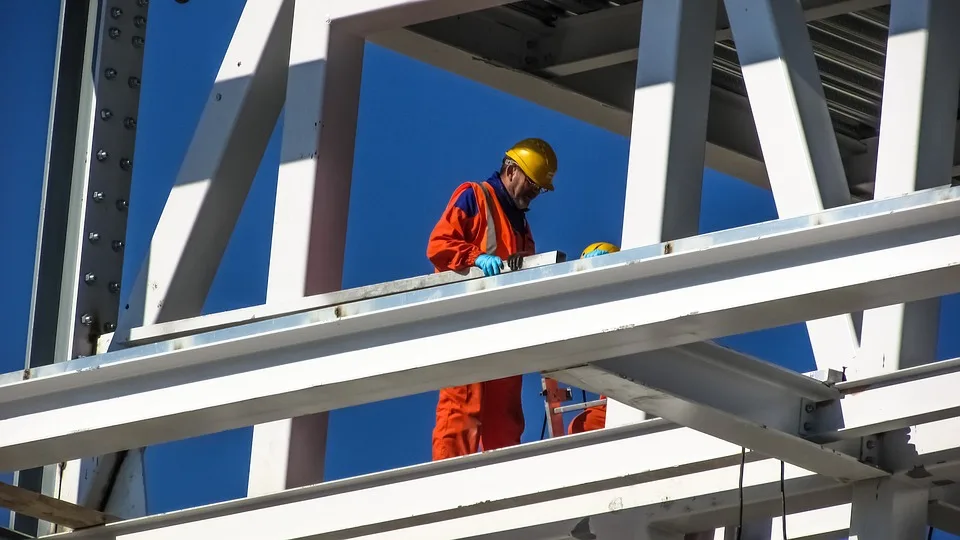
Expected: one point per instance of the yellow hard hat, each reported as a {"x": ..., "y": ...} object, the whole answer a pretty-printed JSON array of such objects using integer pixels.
[
  {"x": 605, "y": 246},
  {"x": 537, "y": 160}
]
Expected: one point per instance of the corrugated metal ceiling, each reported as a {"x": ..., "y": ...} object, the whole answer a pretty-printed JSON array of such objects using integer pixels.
[{"x": 850, "y": 52}]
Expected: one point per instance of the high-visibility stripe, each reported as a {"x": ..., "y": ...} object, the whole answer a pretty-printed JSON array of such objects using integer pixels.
[{"x": 491, "y": 247}]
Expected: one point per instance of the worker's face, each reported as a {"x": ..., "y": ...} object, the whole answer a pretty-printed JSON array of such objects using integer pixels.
[{"x": 520, "y": 187}]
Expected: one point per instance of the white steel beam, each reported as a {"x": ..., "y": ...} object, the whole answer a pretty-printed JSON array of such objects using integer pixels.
[
  {"x": 888, "y": 509},
  {"x": 237, "y": 317},
  {"x": 559, "y": 316},
  {"x": 923, "y": 453},
  {"x": 894, "y": 401},
  {"x": 217, "y": 172},
  {"x": 699, "y": 478},
  {"x": 51, "y": 329},
  {"x": 668, "y": 133},
  {"x": 428, "y": 501},
  {"x": 915, "y": 151},
  {"x": 310, "y": 217},
  {"x": 796, "y": 135},
  {"x": 208, "y": 195},
  {"x": 719, "y": 392},
  {"x": 365, "y": 17}
]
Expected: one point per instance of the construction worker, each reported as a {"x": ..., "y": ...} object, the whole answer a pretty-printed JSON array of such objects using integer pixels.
[
  {"x": 592, "y": 417},
  {"x": 484, "y": 225}
]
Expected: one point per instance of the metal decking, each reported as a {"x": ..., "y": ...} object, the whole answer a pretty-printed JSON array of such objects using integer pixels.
[{"x": 589, "y": 48}]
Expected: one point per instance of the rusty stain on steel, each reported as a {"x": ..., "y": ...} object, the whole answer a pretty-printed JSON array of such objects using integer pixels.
[{"x": 667, "y": 248}]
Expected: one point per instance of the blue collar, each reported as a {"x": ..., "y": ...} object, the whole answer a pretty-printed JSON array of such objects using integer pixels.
[{"x": 514, "y": 214}]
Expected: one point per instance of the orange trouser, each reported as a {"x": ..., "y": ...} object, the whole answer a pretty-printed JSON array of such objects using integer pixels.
[
  {"x": 487, "y": 414},
  {"x": 590, "y": 419}
]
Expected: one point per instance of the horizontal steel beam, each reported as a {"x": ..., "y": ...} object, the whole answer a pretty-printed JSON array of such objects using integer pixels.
[
  {"x": 614, "y": 481},
  {"x": 699, "y": 477},
  {"x": 553, "y": 317},
  {"x": 227, "y": 319},
  {"x": 889, "y": 402},
  {"x": 726, "y": 394}
]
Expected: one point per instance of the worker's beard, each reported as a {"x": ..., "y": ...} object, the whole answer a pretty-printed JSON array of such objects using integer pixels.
[{"x": 522, "y": 202}]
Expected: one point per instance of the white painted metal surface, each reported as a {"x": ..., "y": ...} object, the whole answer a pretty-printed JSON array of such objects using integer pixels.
[
  {"x": 796, "y": 135},
  {"x": 271, "y": 310},
  {"x": 699, "y": 477},
  {"x": 671, "y": 102},
  {"x": 614, "y": 481},
  {"x": 630, "y": 302},
  {"x": 874, "y": 452},
  {"x": 915, "y": 151},
  {"x": 310, "y": 215}
]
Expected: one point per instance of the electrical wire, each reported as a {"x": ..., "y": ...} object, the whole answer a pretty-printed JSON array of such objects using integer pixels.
[
  {"x": 543, "y": 428},
  {"x": 929, "y": 533},
  {"x": 743, "y": 465},
  {"x": 783, "y": 496},
  {"x": 783, "y": 501}
]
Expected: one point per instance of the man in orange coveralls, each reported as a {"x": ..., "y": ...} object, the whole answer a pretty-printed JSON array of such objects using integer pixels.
[
  {"x": 593, "y": 417},
  {"x": 484, "y": 225}
]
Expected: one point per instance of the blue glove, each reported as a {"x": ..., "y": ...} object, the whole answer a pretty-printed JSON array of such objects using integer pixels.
[
  {"x": 490, "y": 264},
  {"x": 595, "y": 253}
]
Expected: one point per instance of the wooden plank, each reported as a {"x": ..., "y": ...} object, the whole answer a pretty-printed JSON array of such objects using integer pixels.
[{"x": 33, "y": 504}]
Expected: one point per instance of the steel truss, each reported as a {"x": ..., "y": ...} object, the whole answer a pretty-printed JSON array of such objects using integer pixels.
[{"x": 870, "y": 440}]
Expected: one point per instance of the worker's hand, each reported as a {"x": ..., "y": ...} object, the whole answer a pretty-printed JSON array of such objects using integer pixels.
[
  {"x": 595, "y": 253},
  {"x": 490, "y": 264},
  {"x": 515, "y": 261}
]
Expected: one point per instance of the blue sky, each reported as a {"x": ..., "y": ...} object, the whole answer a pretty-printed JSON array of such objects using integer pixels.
[{"x": 421, "y": 132}]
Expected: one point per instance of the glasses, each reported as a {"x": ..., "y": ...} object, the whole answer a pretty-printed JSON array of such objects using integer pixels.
[{"x": 533, "y": 185}]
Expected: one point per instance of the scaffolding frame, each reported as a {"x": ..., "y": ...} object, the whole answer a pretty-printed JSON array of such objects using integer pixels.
[{"x": 867, "y": 446}]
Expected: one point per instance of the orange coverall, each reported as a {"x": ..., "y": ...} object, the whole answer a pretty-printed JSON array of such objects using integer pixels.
[
  {"x": 590, "y": 419},
  {"x": 487, "y": 414}
]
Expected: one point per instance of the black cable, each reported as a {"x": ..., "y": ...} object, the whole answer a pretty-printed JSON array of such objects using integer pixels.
[
  {"x": 543, "y": 428},
  {"x": 743, "y": 465},
  {"x": 584, "y": 392},
  {"x": 783, "y": 500},
  {"x": 929, "y": 533}
]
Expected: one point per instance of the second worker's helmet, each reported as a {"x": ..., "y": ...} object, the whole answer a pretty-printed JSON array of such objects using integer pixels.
[
  {"x": 537, "y": 160},
  {"x": 602, "y": 246}
]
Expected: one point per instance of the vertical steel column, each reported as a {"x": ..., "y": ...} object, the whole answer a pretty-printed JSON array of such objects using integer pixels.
[
  {"x": 99, "y": 258},
  {"x": 310, "y": 222},
  {"x": 60, "y": 218},
  {"x": 884, "y": 509},
  {"x": 86, "y": 189},
  {"x": 917, "y": 131},
  {"x": 796, "y": 134},
  {"x": 204, "y": 204},
  {"x": 668, "y": 134},
  {"x": 122, "y": 35}
]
